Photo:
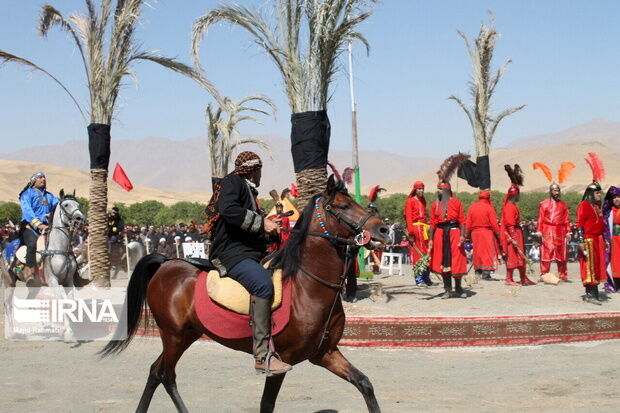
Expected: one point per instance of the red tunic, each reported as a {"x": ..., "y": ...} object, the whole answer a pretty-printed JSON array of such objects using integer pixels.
[
  {"x": 454, "y": 213},
  {"x": 510, "y": 227},
  {"x": 553, "y": 224},
  {"x": 482, "y": 223},
  {"x": 615, "y": 243},
  {"x": 415, "y": 217},
  {"x": 592, "y": 265}
]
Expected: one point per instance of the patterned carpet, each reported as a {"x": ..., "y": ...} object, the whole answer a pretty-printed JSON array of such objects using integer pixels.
[{"x": 390, "y": 332}]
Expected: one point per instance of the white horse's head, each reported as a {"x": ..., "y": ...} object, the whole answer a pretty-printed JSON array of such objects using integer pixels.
[{"x": 69, "y": 211}]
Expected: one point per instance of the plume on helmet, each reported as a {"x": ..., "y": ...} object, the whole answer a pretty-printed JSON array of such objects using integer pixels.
[
  {"x": 374, "y": 193},
  {"x": 335, "y": 171},
  {"x": 565, "y": 171},
  {"x": 545, "y": 169},
  {"x": 285, "y": 193},
  {"x": 596, "y": 165},
  {"x": 450, "y": 165},
  {"x": 347, "y": 175},
  {"x": 274, "y": 195},
  {"x": 515, "y": 174}
]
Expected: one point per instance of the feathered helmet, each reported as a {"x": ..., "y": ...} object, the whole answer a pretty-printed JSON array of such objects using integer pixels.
[
  {"x": 598, "y": 174},
  {"x": 447, "y": 169},
  {"x": 516, "y": 180},
  {"x": 566, "y": 168},
  {"x": 373, "y": 195}
]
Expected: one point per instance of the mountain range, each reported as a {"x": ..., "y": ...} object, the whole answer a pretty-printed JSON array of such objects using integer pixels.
[{"x": 171, "y": 170}]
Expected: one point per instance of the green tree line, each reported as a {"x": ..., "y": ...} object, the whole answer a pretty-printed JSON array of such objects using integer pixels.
[{"x": 391, "y": 207}]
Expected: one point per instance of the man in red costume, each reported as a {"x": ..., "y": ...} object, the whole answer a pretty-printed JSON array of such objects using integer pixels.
[
  {"x": 482, "y": 228},
  {"x": 590, "y": 227},
  {"x": 447, "y": 238},
  {"x": 417, "y": 228},
  {"x": 511, "y": 234},
  {"x": 283, "y": 222},
  {"x": 554, "y": 228}
]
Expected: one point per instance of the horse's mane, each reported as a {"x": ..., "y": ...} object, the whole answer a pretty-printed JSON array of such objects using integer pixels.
[{"x": 289, "y": 258}]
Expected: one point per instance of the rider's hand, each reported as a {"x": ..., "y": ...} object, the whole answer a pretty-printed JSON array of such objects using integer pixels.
[
  {"x": 42, "y": 228},
  {"x": 430, "y": 244},
  {"x": 271, "y": 227}
]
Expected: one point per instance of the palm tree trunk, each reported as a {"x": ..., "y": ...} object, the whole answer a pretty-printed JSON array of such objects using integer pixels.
[
  {"x": 98, "y": 228},
  {"x": 99, "y": 149}
]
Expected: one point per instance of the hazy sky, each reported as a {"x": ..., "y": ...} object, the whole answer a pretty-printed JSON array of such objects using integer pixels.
[{"x": 565, "y": 54}]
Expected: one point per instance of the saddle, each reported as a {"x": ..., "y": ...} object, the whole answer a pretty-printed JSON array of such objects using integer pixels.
[
  {"x": 231, "y": 295},
  {"x": 18, "y": 251}
]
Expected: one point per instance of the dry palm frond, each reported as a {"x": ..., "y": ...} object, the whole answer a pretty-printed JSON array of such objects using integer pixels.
[
  {"x": 222, "y": 130},
  {"x": 8, "y": 58},
  {"x": 545, "y": 169},
  {"x": 596, "y": 165},
  {"x": 450, "y": 165},
  {"x": 307, "y": 71},
  {"x": 482, "y": 86},
  {"x": 564, "y": 172}
]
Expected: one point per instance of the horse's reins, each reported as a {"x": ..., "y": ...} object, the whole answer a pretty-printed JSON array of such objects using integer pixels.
[
  {"x": 358, "y": 241},
  {"x": 66, "y": 231}
]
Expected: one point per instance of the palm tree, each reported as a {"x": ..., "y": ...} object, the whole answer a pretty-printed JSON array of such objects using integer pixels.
[
  {"x": 307, "y": 72},
  {"x": 105, "y": 40},
  {"x": 481, "y": 87},
  {"x": 223, "y": 122}
]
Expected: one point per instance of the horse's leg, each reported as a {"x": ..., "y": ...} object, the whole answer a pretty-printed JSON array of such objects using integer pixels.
[
  {"x": 151, "y": 385},
  {"x": 174, "y": 347},
  {"x": 270, "y": 393},
  {"x": 335, "y": 362}
]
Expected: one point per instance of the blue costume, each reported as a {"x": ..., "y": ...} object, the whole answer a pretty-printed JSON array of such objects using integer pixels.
[{"x": 36, "y": 206}]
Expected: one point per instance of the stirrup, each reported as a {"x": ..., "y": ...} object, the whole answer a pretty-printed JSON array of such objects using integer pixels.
[{"x": 267, "y": 371}]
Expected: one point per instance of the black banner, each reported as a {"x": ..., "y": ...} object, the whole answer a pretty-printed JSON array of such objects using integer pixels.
[
  {"x": 477, "y": 175},
  {"x": 310, "y": 133},
  {"x": 99, "y": 145}
]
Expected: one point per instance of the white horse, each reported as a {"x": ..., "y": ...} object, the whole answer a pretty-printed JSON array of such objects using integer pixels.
[{"x": 58, "y": 260}]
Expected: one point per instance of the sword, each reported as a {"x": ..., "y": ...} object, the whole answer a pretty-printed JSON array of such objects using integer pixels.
[{"x": 516, "y": 246}]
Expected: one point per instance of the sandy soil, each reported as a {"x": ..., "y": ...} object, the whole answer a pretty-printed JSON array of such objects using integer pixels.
[{"x": 53, "y": 377}]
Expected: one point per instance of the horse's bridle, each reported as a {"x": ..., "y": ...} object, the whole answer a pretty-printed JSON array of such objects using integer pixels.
[{"x": 354, "y": 227}]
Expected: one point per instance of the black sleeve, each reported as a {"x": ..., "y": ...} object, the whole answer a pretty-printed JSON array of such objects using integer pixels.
[{"x": 230, "y": 206}]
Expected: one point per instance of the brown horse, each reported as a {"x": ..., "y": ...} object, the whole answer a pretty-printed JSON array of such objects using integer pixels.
[{"x": 313, "y": 257}]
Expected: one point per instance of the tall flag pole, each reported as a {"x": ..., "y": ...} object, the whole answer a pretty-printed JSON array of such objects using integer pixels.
[{"x": 356, "y": 156}]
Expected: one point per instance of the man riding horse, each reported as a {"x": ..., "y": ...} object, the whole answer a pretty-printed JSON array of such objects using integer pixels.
[
  {"x": 36, "y": 204},
  {"x": 240, "y": 236}
]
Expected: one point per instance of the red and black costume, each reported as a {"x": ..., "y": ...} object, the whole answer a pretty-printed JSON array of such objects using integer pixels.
[
  {"x": 483, "y": 230},
  {"x": 553, "y": 225},
  {"x": 590, "y": 227},
  {"x": 511, "y": 234},
  {"x": 611, "y": 215}
]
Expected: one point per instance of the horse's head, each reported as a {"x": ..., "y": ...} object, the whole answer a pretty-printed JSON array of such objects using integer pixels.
[
  {"x": 69, "y": 209},
  {"x": 349, "y": 219}
]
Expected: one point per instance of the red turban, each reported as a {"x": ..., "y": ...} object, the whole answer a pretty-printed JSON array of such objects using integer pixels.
[{"x": 484, "y": 194}]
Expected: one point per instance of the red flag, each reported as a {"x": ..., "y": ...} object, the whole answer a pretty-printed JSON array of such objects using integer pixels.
[{"x": 120, "y": 177}]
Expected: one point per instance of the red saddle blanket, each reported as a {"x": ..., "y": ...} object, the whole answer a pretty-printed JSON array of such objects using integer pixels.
[{"x": 228, "y": 324}]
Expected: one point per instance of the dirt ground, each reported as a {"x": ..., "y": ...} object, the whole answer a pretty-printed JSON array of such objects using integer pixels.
[
  {"x": 582, "y": 377},
  {"x": 53, "y": 377}
]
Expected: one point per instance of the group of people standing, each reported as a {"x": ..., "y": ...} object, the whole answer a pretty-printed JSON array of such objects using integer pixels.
[{"x": 443, "y": 233}]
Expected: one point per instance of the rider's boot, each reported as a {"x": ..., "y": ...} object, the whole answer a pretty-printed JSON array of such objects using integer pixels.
[
  {"x": 30, "y": 277},
  {"x": 267, "y": 362}
]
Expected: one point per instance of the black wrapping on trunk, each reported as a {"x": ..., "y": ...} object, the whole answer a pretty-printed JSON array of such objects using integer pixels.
[
  {"x": 477, "y": 175},
  {"x": 310, "y": 133},
  {"x": 99, "y": 145}
]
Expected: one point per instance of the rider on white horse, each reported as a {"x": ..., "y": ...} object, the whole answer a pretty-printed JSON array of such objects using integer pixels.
[{"x": 36, "y": 204}]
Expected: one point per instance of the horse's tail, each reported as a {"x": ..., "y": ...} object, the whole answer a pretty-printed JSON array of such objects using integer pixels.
[{"x": 135, "y": 301}]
